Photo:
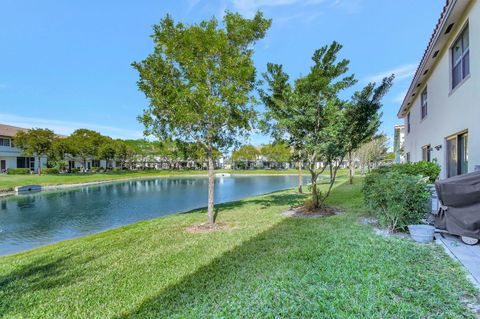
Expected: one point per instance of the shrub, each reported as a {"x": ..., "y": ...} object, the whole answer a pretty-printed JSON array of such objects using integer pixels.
[
  {"x": 94, "y": 169},
  {"x": 75, "y": 170},
  {"x": 18, "y": 171},
  {"x": 397, "y": 200},
  {"x": 426, "y": 169},
  {"x": 51, "y": 170},
  {"x": 117, "y": 169}
]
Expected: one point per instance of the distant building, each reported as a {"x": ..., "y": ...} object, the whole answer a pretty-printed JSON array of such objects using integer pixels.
[
  {"x": 441, "y": 108},
  {"x": 11, "y": 156},
  {"x": 398, "y": 141}
]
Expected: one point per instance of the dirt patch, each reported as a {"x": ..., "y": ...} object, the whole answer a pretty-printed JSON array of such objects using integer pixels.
[
  {"x": 311, "y": 213},
  {"x": 207, "y": 228}
]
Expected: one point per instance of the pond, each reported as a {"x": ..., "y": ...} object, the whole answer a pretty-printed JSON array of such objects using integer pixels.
[{"x": 28, "y": 221}]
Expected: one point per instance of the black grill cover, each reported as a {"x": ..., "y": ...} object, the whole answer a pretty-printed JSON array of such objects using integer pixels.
[{"x": 461, "y": 196}]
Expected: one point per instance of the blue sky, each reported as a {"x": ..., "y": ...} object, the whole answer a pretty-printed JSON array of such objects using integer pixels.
[{"x": 66, "y": 64}]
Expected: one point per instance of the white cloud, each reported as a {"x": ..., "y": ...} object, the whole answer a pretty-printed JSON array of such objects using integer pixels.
[
  {"x": 402, "y": 72},
  {"x": 67, "y": 127}
]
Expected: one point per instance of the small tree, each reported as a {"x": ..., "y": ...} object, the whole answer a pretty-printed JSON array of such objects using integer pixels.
[
  {"x": 85, "y": 144},
  {"x": 122, "y": 152},
  {"x": 107, "y": 151},
  {"x": 36, "y": 142},
  {"x": 277, "y": 152},
  {"x": 320, "y": 125},
  {"x": 362, "y": 118},
  {"x": 245, "y": 154},
  {"x": 198, "y": 82}
]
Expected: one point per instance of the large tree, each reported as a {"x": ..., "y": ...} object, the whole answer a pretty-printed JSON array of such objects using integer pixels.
[
  {"x": 322, "y": 126},
  {"x": 36, "y": 143},
  {"x": 199, "y": 81}
]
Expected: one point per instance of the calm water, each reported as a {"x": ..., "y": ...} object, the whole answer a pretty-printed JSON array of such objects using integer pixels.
[{"x": 28, "y": 221}]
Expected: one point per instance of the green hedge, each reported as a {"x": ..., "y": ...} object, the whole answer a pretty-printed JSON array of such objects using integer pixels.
[
  {"x": 18, "y": 171},
  {"x": 52, "y": 170},
  {"x": 426, "y": 169},
  {"x": 397, "y": 200}
]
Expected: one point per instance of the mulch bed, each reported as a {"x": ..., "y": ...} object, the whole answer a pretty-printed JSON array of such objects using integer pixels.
[
  {"x": 207, "y": 228},
  {"x": 303, "y": 212}
]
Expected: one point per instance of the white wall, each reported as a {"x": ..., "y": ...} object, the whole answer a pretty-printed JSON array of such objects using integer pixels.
[{"x": 449, "y": 112}]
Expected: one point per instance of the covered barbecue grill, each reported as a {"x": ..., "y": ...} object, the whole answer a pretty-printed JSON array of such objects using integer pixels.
[{"x": 459, "y": 213}]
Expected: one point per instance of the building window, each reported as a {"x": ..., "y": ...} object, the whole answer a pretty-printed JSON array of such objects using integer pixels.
[
  {"x": 460, "y": 58},
  {"x": 26, "y": 162},
  {"x": 408, "y": 157},
  {"x": 426, "y": 151},
  {"x": 457, "y": 155},
  {"x": 408, "y": 122},
  {"x": 424, "y": 103},
  {"x": 4, "y": 141}
]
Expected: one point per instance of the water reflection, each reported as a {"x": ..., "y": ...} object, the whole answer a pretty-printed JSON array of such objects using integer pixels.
[{"x": 33, "y": 220}]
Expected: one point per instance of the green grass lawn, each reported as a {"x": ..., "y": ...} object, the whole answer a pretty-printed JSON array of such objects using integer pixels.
[
  {"x": 8, "y": 182},
  {"x": 264, "y": 266}
]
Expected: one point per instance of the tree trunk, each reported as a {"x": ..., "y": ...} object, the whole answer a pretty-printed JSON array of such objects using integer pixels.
[
  {"x": 211, "y": 187},
  {"x": 300, "y": 179},
  {"x": 39, "y": 165},
  {"x": 314, "y": 192},
  {"x": 351, "y": 166}
]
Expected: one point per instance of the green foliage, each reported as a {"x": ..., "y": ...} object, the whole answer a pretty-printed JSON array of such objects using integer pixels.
[
  {"x": 199, "y": 79},
  {"x": 396, "y": 199},
  {"x": 245, "y": 153},
  {"x": 374, "y": 152},
  {"x": 319, "y": 125},
  {"x": 276, "y": 152},
  {"x": 94, "y": 169},
  {"x": 199, "y": 82},
  {"x": 85, "y": 144},
  {"x": 107, "y": 150},
  {"x": 51, "y": 170},
  {"x": 35, "y": 142},
  {"x": 429, "y": 170},
  {"x": 18, "y": 171},
  {"x": 75, "y": 170}
]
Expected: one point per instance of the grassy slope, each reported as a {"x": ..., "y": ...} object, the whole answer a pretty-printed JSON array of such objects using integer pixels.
[
  {"x": 266, "y": 265},
  {"x": 8, "y": 182}
]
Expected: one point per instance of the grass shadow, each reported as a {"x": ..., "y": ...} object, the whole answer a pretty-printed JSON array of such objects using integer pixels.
[{"x": 44, "y": 273}]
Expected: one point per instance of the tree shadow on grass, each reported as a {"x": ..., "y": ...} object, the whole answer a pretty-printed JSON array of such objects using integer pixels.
[
  {"x": 278, "y": 198},
  {"x": 43, "y": 273},
  {"x": 206, "y": 292}
]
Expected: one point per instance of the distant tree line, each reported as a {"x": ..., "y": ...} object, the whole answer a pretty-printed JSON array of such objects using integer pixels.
[{"x": 85, "y": 145}]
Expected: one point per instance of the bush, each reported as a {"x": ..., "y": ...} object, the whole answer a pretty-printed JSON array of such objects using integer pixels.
[
  {"x": 18, "y": 171},
  {"x": 117, "y": 169},
  {"x": 94, "y": 169},
  {"x": 397, "y": 200},
  {"x": 75, "y": 170},
  {"x": 426, "y": 169},
  {"x": 51, "y": 170}
]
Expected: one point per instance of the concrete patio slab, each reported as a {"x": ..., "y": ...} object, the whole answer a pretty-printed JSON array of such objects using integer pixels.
[{"x": 468, "y": 256}]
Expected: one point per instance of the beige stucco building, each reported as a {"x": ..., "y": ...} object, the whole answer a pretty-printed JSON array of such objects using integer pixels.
[{"x": 441, "y": 109}]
